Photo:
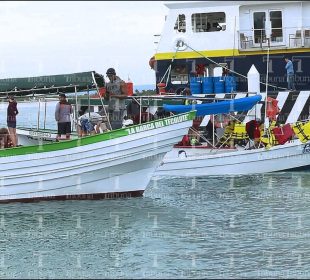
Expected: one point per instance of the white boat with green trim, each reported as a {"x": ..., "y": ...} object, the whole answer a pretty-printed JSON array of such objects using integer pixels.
[{"x": 118, "y": 163}]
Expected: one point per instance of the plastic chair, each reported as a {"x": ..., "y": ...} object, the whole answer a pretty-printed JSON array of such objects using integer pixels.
[
  {"x": 307, "y": 37},
  {"x": 296, "y": 37},
  {"x": 244, "y": 40}
]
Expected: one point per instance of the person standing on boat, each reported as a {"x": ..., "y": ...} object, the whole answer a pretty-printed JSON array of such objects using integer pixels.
[
  {"x": 11, "y": 120},
  {"x": 62, "y": 116},
  {"x": 290, "y": 74},
  {"x": 116, "y": 94}
]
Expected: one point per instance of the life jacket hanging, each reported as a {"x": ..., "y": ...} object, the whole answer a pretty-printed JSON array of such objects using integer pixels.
[
  {"x": 200, "y": 69},
  {"x": 272, "y": 109}
]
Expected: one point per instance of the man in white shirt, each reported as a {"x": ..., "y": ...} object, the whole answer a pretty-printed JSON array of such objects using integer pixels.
[{"x": 90, "y": 123}]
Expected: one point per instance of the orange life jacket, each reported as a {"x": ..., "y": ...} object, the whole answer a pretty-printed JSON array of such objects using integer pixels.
[{"x": 272, "y": 109}]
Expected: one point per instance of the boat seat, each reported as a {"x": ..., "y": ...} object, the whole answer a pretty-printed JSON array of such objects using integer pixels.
[
  {"x": 307, "y": 37},
  {"x": 244, "y": 40}
]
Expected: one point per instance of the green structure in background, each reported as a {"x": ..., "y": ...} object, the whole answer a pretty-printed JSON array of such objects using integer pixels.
[{"x": 51, "y": 84}]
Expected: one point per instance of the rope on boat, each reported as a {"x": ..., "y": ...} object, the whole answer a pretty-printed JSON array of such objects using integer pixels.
[
  {"x": 169, "y": 67},
  {"x": 238, "y": 74}
]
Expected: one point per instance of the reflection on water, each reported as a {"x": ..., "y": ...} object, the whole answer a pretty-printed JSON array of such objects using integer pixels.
[{"x": 231, "y": 227}]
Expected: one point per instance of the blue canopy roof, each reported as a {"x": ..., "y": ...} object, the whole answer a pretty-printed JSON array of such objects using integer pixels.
[{"x": 221, "y": 107}]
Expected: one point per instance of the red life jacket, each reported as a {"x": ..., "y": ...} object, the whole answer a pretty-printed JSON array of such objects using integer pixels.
[
  {"x": 272, "y": 108},
  {"x": 200, "y": 69},
  {"x": 252, "y": 129},
  {"x": 185, "y": 140}
]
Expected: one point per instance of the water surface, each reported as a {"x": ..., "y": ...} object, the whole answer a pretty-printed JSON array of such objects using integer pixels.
[{"x": 233, "y": 227}]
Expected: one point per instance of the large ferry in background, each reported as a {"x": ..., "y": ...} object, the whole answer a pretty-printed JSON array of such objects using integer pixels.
[{"x": 199, "y": 37}]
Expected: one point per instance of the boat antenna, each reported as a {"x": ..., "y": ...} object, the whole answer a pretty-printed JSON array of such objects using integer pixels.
[{"x": 266, "y": 125}]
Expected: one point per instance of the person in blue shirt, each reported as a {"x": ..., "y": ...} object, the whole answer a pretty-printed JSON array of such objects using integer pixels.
[{"x": 290, "y": 74}]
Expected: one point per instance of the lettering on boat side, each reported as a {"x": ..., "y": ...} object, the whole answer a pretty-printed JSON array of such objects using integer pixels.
[
  {"x": 306, "y": 149},
  {"x": 157, "y": 124},
  {"x": 39, "y": 134}
]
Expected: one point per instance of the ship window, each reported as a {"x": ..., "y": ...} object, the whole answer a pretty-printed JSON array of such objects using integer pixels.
[
  {"x": 276, "y": 26},
  {"x": 208, "y": 22},
  {"x": 180, "y": 24}
]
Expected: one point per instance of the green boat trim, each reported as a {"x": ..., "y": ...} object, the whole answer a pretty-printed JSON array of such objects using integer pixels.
[{"x": 92, "y": 139}]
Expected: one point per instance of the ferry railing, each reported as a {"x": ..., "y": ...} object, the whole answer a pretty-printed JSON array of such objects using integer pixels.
[{"x": 289, "y": 37}]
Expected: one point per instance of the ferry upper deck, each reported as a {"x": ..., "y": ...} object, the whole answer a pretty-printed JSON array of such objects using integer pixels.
[
  {"x": 234, "y": 28},
  {"x": 209, "y": 34}
]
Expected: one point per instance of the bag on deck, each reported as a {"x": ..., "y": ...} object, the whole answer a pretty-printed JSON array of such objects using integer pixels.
[{"x": 283, "y": 134}]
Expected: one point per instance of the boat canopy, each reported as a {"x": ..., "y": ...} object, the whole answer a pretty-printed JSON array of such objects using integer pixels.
[
  {"x": 221, "y": 107},
  {"x": 51, "y": 84}
]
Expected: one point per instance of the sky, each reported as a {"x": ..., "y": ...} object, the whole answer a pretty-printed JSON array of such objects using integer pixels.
[{"x": 61, "y": 37}]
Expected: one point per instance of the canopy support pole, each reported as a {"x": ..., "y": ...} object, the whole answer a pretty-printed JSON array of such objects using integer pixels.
[
  {"x": 76, "y": 107},
  {"x": 44, "y": 113},
  {"x": 140, "y": 119},
  {"x": 104, "y": 110},
  {"x": 88, "y": 97},
  {"x": 38, "y": 123}
]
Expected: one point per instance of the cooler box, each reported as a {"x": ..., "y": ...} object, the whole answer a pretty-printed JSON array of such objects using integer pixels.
[
  {"x": 230, "y": 84},
  {"x": 129, "y": 88},
  {"x": 219, "y": 84},
  {"x": 207, "y": 85},
  {"x": 195, "y": 85}
]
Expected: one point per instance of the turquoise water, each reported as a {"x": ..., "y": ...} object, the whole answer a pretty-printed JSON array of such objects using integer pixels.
[
  {"x": 234, "y": 227},
  {"x": 32, "y": 114}
]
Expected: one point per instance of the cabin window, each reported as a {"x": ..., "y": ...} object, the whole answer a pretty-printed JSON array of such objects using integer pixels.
[
  {"x": 259, "y": 27},
  {"x": 180, "y": 24},
  {"x": 208, "y": 22},
  {"x": 276, "y": 26},
  {"x": 263, "y": 22}
]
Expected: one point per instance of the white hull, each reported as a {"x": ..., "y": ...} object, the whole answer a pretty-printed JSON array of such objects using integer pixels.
[
  {"x": 235, "y": 162},
  {"x": 117, "y": 166}
]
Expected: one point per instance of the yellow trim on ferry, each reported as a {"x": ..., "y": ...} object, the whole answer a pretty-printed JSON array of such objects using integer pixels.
[{"x": 221, "y": 53}]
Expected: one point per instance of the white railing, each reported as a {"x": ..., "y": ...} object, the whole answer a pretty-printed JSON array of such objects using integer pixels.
[{"x": 290, "y": 37}]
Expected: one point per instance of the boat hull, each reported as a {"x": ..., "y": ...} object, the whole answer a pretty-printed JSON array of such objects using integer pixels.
[
  {"x": 293, "y": 155},
  {"x": 120, "y": 166}
]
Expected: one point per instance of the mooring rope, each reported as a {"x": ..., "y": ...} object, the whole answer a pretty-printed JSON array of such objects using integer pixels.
[{"x": 239, "y": 74}]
